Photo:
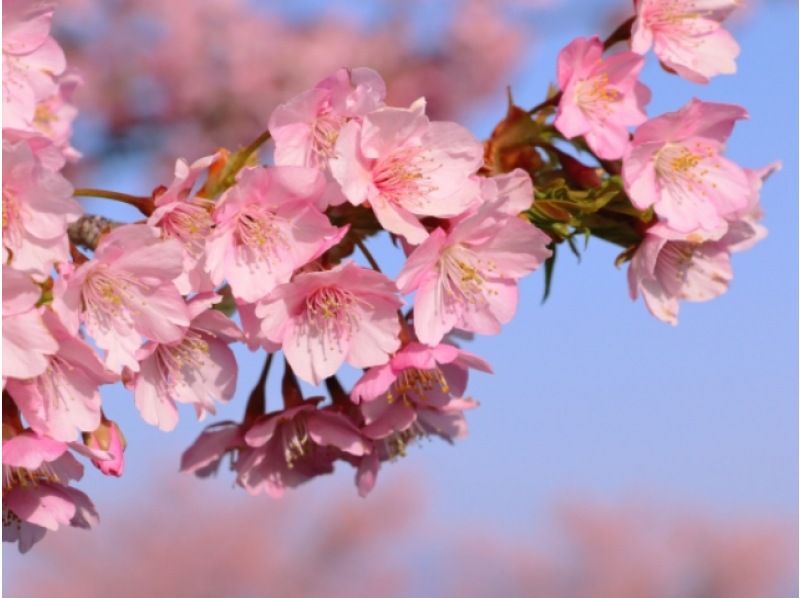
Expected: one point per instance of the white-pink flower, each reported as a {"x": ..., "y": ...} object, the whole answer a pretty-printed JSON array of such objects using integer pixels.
[
  {"x": 266, "y": 228},
  {"x": 126, "y": 292},
  {"x": 601, "y": 97},
  {"x": 31, "y": 59},
  {"x": 406, "y": 166},
  {"x": 687, "y": 36},
  {"x": 670, "y": 266},
  {"x": 37, "y": 207},
  {"x": 305, "y": 128},
  {"x": 675, "y": 164},
  {"x": 183, "y": 216},
  {"x": 466, "y": 277},
  {"x": 322, "y": 319},
  {"x": 64, "y": 399},
  {"x": 27, "y": 342},
  {"x": 199, "y": 368}
]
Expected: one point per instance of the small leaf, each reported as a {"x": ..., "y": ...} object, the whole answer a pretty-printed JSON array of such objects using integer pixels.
[{"x": 549, "y": 265}]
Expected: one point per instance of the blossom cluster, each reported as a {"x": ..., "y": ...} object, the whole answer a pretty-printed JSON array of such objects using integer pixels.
[{"x": 152, "y": 304}]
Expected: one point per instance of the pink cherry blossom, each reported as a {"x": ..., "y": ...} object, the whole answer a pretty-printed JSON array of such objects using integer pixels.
[
  {"x": 31, "y": 58},
  {"x": 601, "y": 97},
  {"x": 36, "y": 494},
  {"x": 37, "y": 207},
  {"x": 204, "y": 456},
  {"x": 687, "y": 36},
  {"x": 406, "y": 166},
  {"x": 199, "y": 368},
  {"x": 64, "y": 399},
  {"x": 417, "y": 388},
  {"x": 126, "y": 292},
  {"x": 675, "y": 164},
  {"x": 27, "y": 342},
  {"x": 54, "y": 115},
  {"x": 295, "y": 445},
  {"x": 305, "y": 128},
  {"x": 266, "y": 228},
  {"x": 187, "y": 218},
  {"x": 466, "y": 278},
  {"x": 322, "y": 319}
]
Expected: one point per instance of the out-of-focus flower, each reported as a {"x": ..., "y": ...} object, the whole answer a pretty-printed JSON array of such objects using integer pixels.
[
  {"x": 322, "y": 319},
  {"x": 687, "y": 36},
  {"x": 31, "y": 60},
  {"x": 601, "y": 98},
  {"x": 37, "y": 206}
]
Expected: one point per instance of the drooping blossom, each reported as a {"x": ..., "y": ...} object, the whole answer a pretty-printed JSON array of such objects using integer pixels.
[
  {"x": 198, "y": 368},
  {"x": 406, "y": 166},
  {"x": 183, "y": 216},
  {"x": 266, "y": 228},
  {"x": 466, "y": 278},
  {"x": 601, "y": 97},
  {"x": 305, "y": 128},
  {"x": 205, "y": 454},
  {"x": 36, "y": 494},
  {"x": 126, "y": 292},
  {"x": 322, "y": 319},
  {"x": 64, "y": 399},
  {"x": 27, "y": 342},
  {"x": 674, "y": 164},
  {"x": 294, "y": 445},
  {"x": 687, "y": 36},
  {"x": 37, "y": 207},
  {"x": 670, "y": 266},
  {"x": 31, "y": 59}
]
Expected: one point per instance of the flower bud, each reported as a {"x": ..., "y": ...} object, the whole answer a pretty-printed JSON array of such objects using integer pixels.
[{"x": 108, "y": 437}]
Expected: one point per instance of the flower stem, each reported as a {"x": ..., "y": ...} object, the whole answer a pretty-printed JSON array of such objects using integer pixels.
[
  {"x": 143, "y": 204},
  {"x": 368, "y": 255},
  {"x": 621, "y": 34},
  {"x": 257, "y": 403}
]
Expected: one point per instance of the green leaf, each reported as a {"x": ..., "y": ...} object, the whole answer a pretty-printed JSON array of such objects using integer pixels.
[{"x": 548, "y": 271}]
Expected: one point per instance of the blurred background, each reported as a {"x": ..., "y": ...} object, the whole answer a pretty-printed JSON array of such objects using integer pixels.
[{"x": 612, "y": 455}]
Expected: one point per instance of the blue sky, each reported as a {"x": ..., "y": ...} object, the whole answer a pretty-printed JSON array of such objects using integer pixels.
[{"x": 592, "y": 397}]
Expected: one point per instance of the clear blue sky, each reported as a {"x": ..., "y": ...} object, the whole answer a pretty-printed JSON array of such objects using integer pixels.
[{"x": 592, "y": 396}]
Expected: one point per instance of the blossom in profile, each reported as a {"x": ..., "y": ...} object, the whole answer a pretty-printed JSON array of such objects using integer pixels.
[
  {"x": 182, "y": 215},
  {"x": 601, "y": 97},
  {"x": 126, "y": 292},
  {"x": 675, "y": 165},
  {"x": 65, "y": 398},
  {"x": 323, "y": 319},
  {"x": 27, "y": 342},
  {"x": 295, "y": 445},
  {"x": 406, "y": 166},
  {"x": 36, "y": 494},
  {"x": 266, "y": 227},
  {"x": 305, "y": 128},
  {"x": 31, "y": 60},
  {"x": 466, "y": 277},
  {"x": 108, "y": 438},
  {"x": 198, "y": 368},
  {"x": 37, "y": 207},
  {"x": 687, "y": 36}
]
